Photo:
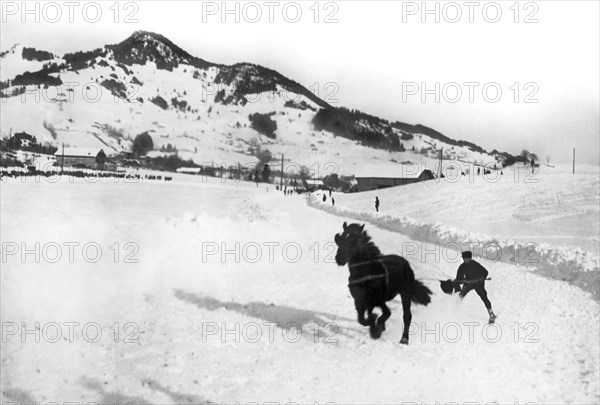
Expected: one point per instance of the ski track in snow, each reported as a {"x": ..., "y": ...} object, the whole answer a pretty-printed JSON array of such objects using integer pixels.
[{"x": 547, "y": 351}]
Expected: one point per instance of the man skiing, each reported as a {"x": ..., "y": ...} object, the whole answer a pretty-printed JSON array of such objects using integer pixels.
[
  {"x": 377, "y": 204},
  {"x": 472, "y": 276}
]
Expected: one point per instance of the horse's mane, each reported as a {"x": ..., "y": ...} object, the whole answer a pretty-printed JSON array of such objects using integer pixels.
[{"x": 366, "y": 247}]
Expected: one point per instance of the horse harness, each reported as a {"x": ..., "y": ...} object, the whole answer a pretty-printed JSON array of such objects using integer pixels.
[{"x": 370, "y": 276}]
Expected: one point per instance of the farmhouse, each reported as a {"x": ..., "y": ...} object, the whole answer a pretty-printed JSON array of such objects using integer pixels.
[
  {"x": 22, "y": 140},
  {"x": 373, "y": 177},
  {"x": 79, "y": 157}
]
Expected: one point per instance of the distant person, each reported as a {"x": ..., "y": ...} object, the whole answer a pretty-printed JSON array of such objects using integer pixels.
[
  {"x": 330, "y": 193},
  {"x": 332, "y": 201},
  {"x": 473, "y": 275},
  {"x": 377, "y": 204},
  {"x": 324, "y": 197},
  {"x": 478, "y": 171}
]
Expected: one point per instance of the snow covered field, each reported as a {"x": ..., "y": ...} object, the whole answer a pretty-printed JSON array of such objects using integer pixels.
[{"x": 190, "y": 292}]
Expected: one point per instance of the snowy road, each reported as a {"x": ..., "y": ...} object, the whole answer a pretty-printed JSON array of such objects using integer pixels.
[{"x": 235, "y": 298}]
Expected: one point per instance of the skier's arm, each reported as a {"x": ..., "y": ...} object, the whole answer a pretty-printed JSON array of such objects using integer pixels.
[{"x": 460, "y": 275}]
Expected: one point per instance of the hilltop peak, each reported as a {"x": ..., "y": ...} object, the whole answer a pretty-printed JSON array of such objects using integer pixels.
[
  {"x": 149, "y": 37},
  {"x": 145, "y": 46}
]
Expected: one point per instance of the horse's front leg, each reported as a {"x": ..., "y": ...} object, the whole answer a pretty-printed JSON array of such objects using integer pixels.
[
  {"x": 360, "y": 310},
  {"x": 374, "y": 329},
  {"x": 372, "y": 318},
  {"x": 385, "y": 315}
]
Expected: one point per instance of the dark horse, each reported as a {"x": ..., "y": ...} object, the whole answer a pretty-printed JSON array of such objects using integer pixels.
[{"x": 375, "y": 279}]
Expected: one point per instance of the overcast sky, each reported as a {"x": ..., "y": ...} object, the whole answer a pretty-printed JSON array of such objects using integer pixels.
[{"x": 379, "y": 57}]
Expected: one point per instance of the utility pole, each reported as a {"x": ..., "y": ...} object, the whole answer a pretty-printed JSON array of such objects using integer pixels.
[
  {"x": 281, "y": 179},
  {"x": 441, "y": 159},
  {"x": 573, "y": 160},
  {"x": 62, "y": 163}
]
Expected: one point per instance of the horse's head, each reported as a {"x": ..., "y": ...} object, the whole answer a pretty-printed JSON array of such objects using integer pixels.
[{"x": 348, "y": 242}]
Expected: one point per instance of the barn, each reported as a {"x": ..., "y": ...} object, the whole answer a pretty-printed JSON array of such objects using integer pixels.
[
  {"x": 189, "y": 170},
  {"x": 79, "y": 157},
  {"x": 374, "y": 177},
  {"x": 312, "y": 185}
]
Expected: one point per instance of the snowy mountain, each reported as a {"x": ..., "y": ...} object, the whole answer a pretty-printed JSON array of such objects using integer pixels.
[{"x": 205, "y": 111}]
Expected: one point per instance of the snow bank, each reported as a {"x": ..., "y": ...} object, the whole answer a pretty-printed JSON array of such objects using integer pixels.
[{"x": 572, "y": 264}]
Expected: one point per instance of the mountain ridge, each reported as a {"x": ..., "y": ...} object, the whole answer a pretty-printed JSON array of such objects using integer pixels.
[{"x": 131, "y": 71}]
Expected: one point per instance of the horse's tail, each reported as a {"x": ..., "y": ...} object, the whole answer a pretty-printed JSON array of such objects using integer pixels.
[{"x": 420, "y": 293}]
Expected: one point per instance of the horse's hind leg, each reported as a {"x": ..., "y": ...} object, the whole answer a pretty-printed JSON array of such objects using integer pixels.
[{"x": 407, "y": 317}]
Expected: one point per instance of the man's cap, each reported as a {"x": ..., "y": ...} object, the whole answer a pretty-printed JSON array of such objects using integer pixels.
[{"x": 467, "y": 254}]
